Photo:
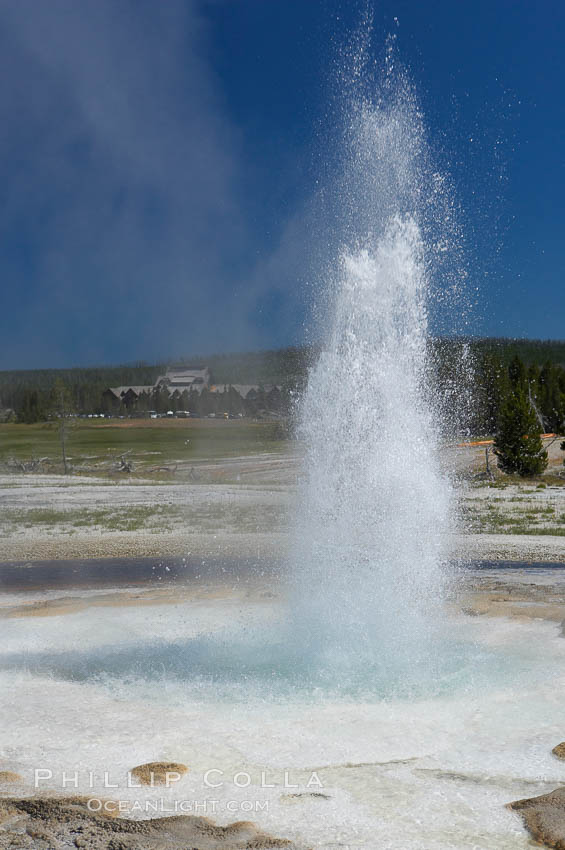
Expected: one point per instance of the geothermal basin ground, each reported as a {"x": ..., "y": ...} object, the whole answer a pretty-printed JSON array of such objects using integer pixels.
[{"x": 243, "y": 505}]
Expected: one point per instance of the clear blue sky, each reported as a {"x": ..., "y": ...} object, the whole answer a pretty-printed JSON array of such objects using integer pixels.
[{"x": 157, "y": 160}]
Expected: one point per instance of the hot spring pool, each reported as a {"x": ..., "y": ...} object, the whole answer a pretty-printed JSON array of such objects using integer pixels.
[{"x": 324, "y": 751}]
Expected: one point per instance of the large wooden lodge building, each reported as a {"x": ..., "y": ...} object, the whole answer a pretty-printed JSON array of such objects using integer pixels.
[{"x": 187, "y": 384}]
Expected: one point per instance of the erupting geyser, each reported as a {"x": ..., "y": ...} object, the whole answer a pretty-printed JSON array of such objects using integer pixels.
[{"x": 375, "y": 508}]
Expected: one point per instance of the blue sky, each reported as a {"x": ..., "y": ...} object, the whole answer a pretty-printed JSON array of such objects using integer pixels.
[{"x": 160, "y": 166}]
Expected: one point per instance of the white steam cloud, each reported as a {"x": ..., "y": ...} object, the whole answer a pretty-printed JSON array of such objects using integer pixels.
[{"x": 122, "y": 178}]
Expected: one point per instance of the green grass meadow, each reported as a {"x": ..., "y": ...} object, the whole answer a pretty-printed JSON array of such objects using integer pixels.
[{"x": 149, "y": 443}]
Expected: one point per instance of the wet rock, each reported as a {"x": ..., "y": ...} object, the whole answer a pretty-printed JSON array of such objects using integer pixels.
[
  {"x": 159, "y": 772},
  {"x": 544, "y": 817},
  {"x": 559, "y": 750},
  {"x": 42, "y": 823},
  {"x": 7, "y": 776},
  {"x": 316, "y": 795}
]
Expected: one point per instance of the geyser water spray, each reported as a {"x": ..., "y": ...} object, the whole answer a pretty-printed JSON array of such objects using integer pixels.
[{"x": 375, "y": 512}]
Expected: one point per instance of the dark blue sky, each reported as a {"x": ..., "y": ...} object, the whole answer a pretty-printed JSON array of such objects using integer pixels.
[{"x": 160, "y": 165}]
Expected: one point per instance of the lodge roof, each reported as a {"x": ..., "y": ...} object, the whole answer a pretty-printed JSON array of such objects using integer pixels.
[
  {"x": 140, "y": 388},
  {"x": 184, "y": 376}
]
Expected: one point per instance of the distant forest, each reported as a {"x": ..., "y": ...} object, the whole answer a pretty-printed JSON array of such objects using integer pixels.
[{"x": 476, "y": 374}]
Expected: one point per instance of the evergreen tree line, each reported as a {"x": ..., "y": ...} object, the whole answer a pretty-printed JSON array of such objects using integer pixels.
[
  {"x": 86, "y": 385},
  {"x": 497, "y": 385},
  {"x": 30, "y": 393},
  {"x": 477, "y": 379},
  {"x": 38, "y": 406}
]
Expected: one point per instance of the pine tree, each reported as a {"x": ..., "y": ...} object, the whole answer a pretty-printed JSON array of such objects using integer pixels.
[
  {"x": 552, "y": 401},
  {"x": 493, "y": 385},
  {"x": 31, "y": 408},
  {"x": 517, "y": 373},
  {"x": 518, "y": 443}
]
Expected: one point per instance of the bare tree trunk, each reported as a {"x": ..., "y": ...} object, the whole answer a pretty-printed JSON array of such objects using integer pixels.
[
  {"x": 489, "y": 470},
  {"x": 63, "y": 433},
  {"x": 535, "y": 409}
]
